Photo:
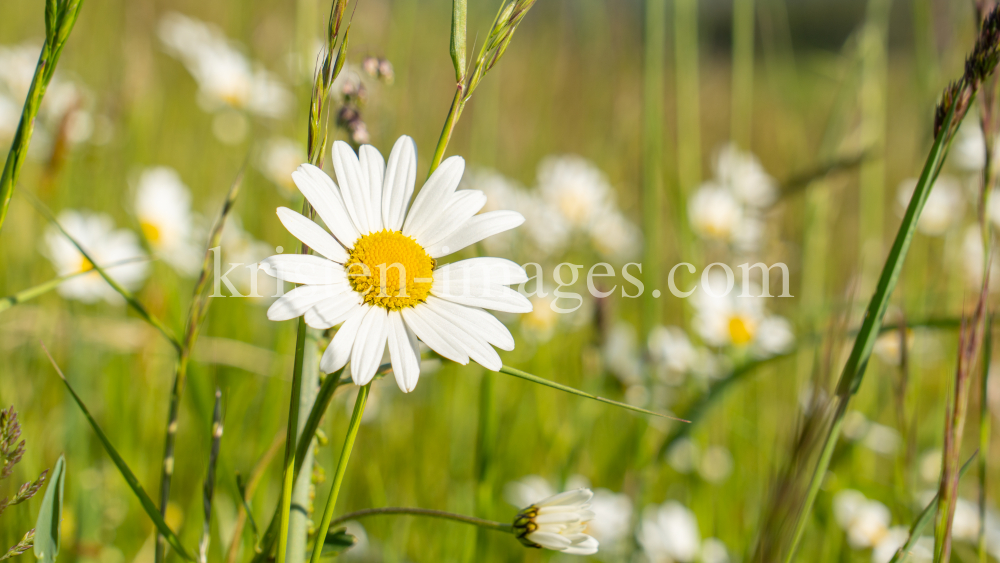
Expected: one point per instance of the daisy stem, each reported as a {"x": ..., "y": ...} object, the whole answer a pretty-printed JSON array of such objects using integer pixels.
[
  {"x": 397, "y": 510},
  {"x": 59, "y": 20},
  {"x": 338, "y": 478},
  {"x": 288, "y": 478},
  {"x": 45, "y": 287}
]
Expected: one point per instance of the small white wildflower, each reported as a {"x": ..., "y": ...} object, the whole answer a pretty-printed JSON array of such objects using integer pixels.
[
  {"x": 558, "y": 523},
  {"x": 670, "y": 532}
]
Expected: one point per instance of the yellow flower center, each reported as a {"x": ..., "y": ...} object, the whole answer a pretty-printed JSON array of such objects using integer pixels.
[
  {"x": 740, "y": 331},
  {"x": 150, "y": 231},
  {"x": 85, "y": 265},
  {"x": 390, "y": 270}
]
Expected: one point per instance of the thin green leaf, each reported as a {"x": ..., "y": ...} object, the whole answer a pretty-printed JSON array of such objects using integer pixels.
[
  {"x": 45, "y": 287},
  {"x": 925, "y": 517},
  {"x": 542, "y": 381},
  {"x": 131, "y": 299},
  {"x": 123, "y": 468},
  {"x": 459, "y": 9},
  {"x": 50, "y": 516}
]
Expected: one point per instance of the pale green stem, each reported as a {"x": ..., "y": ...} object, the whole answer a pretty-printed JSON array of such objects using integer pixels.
[
  {"x": 743, "y": 62},
  {"x": 288, "y": 475},
  {"x": 338, "y": 478},
  {"x": 984, "y": 436},
  {"x": 652, "y": 153},
  {"x": 390, "y": 511},
  {"x": 457, "y": 105},
  {"x": 688, "y": 94}
]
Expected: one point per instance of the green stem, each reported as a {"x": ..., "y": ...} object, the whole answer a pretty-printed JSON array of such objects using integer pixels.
[
  {"x": 742, "y": 88},
  {"x": 652, "y": 152},
  {"x": 393, "y": 510},
  {"x": 288, "y": 476},
  {"x": 338, "y": 478},
  {"x": 457, "y": 104},
  {"x": 984, "y": 436}
]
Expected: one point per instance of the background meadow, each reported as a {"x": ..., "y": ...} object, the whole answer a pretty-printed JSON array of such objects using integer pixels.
[{"x": 847, "y": 86}]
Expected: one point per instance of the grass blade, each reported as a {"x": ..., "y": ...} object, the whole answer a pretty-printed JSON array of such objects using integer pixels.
[
  {"x": 209, "y": 488},
  {"x": 123, "y": 468},
  {"x": 50, "y": 516},
  {"x": 45, "y": 287},
  {"x": 131, "y": 299},
  {"x": 923, "y": 519},
  {"x": 542, "y": 381}
]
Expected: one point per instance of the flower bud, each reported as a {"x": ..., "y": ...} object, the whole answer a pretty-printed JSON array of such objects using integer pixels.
[{"x": 558, "y": 523}]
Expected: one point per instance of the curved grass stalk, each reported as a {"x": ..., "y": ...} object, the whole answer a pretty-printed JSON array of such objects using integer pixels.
[
  {"x": 396, "y": 511},
  {"x": 60, "y": 17}
]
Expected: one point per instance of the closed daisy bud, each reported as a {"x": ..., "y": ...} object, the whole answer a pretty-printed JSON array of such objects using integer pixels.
[{"x": 558, "y": 523}]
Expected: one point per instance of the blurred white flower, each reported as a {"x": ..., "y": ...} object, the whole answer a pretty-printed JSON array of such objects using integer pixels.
[
  {"x": 615, "y": 237},
  {"x": 279, "y": 157},
  {"x": 714, "y": 551},
  {"x": 240, "y": 247},
  {"x": 163, "y": 207},
  {"x": 527, "y": 490},
  {"x": 669, "y": 533},
  {"x": 965, "y": 524},
  {"x": 684, "y": 455},
  {"x": 745, "y": 177},
  {"x": 865, "y": 521},
  {"x": 225, "y": 76},
  {"x": 930, "y": 466},
  {"x": 10, "y": 116},
  {"x": 882, "y": 439},
  {"x": 558, "y": 523},
  {"x": 621, "y": 353},
  {"x": 540, "y": 324},
  {"x": 972, "y": 258},
  {"x": 774, "y": 336},
  {"x": 944, "y": 208},
  {"x": 716, "y": 464},
  {"x": 672, "y": 353},
  {"x": 97, "y": 234},
  {"x": 576, "y": 188},
  {"x": 968, "y": 150},
  {"x": 714, "y": 212},
  {"x": 887, "y": 547},
  {"x": 888, "y": 349},
  {"x": 361, "y": 546},
  {"x": 731, "y": 320},
  {"x": 612, "y": 516}
]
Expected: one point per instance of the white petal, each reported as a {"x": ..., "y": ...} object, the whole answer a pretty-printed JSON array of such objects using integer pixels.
[
  {"x": 493, "y": 297},
  {"x": 339, "y": 350},
  {"x": 489, "y": 270},
  {"x": 549, "y": 540},
  {"x": 461, "y": 207},
  {"x": 297, "y": 301},
  {"x": 588, "y": 546},
  {"x": 373, "y": 166},
  {"x": 304, "y": 268},
  {"x": 466, "y": 335},
  {"x": 567, "y": 498},
  {"x": 329, "y": 313},
  {"x": 400, "y": 179},
  {"x": 326, "y": 199},
  {"x": 434, "y": 197},
  {"x": 476, "y": 229},
  {"x": 424, "y": 326},
  {"x": 313, "y": 235},
  {"x": 488, "y": 327},
  {"x": 369, "y": 346},
  {"x": 404, "y": 352},
  {"x": 352, "y": 185},
  {"x": 557, "y": 518}
]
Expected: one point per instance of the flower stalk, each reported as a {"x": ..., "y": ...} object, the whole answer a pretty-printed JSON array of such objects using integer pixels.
[
  {"x": 338, "y": 478},
  {"x": 405, "y": 511}
]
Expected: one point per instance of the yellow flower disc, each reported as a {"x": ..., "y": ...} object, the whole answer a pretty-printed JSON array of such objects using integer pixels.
[{"x": 390, "y": 270}]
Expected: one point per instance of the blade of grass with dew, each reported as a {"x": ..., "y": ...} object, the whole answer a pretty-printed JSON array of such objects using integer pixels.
[
  {"x": 45, "y": 287},
  {"x": 924, "y": 518},
  {"x": 338, "y": 478},
  {"x": 196, "y": 315},
  {"x": 60, "y": 17},
  {"x": 542, "y": 381},
  {"x": 853, "y": 371},
  {"x": 49, "y": 521},
  {"x": 123, "y": 468},
  {"x": 129, "y": 298},
  {"x": 209, "y": 488}
]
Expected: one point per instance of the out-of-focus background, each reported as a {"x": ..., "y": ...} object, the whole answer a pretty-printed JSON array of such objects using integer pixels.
[{"x": 153, "y": 101}]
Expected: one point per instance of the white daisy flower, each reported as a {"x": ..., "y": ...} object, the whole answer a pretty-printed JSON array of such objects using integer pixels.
[
  {"x": 945, "y": 204},
  {"x": 731, "y": 320},
  {"x": 616, "y": 237},
  {"x": 968, "y": 150},
  {"x": 278, "y": 159},
  {"x": 865, "y": 521},
  {"x": 558, "y": 523},
  {"x": 714, "y": 212},
  {"x": 97, "y": 234},
  {"x": 378, "y": 273},
  {"x": 163, "y": 207},
  {"x": 671, "y": 352},
  {"x": 225, "y": 76},
  {"x": 745, "y": 176},
  {"x": 574, "y": 187},
  {"x": 669, "y": 533},
  {"x": 887, "y": 547}
]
